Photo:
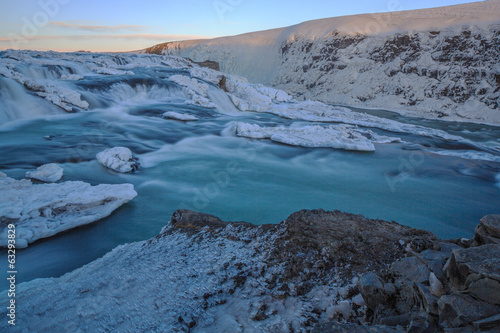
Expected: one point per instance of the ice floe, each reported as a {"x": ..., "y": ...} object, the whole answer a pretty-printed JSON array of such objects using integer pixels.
[
  {"x": 119, "y": 159},
  {"x": 48, "y": 173},
  {"x": 333, "y": 136},
  {"x": 43, "y": 210},
  {"x": 179, "y": 116}
]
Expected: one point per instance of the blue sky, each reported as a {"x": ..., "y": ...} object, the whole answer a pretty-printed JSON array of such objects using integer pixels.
[{"x": 101, "y": 25}]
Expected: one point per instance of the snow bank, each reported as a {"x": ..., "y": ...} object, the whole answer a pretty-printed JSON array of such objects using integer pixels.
[
  {"x": 48, "y": 173},
  {"x": 119, "y": 159},
  {"x": 43, "y": 210},
  {"x": 179, "y": 116},
  {"x": 334, "y": 136}
]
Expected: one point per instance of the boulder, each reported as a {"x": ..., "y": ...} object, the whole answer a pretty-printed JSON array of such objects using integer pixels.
[
  {"x": 492, "y": 225},
  {"x": 459, "y": 310},
  {"x": 488, "y": 231},
  {"x": 411, "y": 269},
  {"x": 429, "y": 301},
  {"x": 374, "y": 291},
  {"x": 476, "y": 270}
]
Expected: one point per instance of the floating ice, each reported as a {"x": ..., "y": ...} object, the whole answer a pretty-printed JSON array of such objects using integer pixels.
[
  {"x": 118, "y": 158},
  {"x": 48, "y": 173},
  {"x": 179, "y": 116},
  {"x": 334, "y": 136},
  {"x": 40, "y": 211}
]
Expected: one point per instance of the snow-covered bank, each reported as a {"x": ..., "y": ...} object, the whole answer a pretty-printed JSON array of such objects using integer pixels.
[
  {"x": 40, "y": 211},
  {"x": 202, "y": 274},
  {"x": 435, "y": 63},
  {"x": 317, "y": 271}
]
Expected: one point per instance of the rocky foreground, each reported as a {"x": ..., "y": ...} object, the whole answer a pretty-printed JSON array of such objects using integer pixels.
[{"x": 316, "y": 271}]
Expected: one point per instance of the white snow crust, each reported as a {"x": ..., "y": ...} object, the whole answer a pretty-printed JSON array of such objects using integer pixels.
[{"x": 41, "y": 211}]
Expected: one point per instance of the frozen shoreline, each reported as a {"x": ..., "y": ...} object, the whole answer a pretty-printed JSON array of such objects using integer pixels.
[{"x": 315, "y": 270}]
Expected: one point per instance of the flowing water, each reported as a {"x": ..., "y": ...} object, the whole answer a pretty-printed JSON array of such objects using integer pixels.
[{"x": 203, "y": 166}]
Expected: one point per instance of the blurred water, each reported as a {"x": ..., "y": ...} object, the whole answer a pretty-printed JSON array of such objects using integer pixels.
[{"x": 203, "y": 166}]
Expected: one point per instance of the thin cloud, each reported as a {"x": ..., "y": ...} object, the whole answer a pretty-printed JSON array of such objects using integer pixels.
[
  {"x": 109, "y": 36},
  {"x": 96, "y": 28}
]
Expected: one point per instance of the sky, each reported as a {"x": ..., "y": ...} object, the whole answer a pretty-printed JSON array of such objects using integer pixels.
[{"x": 127, "y": 25}]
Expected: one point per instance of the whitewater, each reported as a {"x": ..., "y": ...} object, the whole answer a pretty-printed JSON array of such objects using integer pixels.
[{"x": 215, "y": 143}]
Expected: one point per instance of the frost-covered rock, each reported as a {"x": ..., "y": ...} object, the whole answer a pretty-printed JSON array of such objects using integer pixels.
[
  {"x": 179, "y": 116},
  {"x": 197, "y": 90},
  {"x": 40, "y": 211},
  {"x": 119, "y": 159},
  {"x": 48, "y": 173},
  {"x": 334, "y": 136}
]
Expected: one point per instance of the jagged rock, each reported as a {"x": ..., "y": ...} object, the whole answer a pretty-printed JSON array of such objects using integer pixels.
[
  {"x": 400, "y": 320},
  {"x": 488, "y": 323},
  {"x": 429, "y": 301},
  {"x": 435, "y": 259},
  {"x": 48, "y": 173},
  {"x": 412, "y": 269},
  {"x": 421, "y": 324},
  {"x": 458, "y": 310},
  {"x": 373, "y": 290},
  {"x": 492, "y": 224},
  {"x": 488, "y": 230},
  {"x": 467, "y": 267},
  {"x": 353, "y": 328},
  {"x": 486, "y": 289}
]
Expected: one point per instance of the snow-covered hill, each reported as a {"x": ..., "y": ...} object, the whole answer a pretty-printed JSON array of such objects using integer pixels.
[{"x": 439, "y": 62}]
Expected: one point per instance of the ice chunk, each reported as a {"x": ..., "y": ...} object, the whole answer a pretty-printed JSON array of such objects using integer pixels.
[
  {"x": 40, "y": 211},
  {"x": 48, "y": 173},
  {"x": 334, "y": 136},
  {"x": 118, "y": 158},
  {"x": 179, "y": 116}
]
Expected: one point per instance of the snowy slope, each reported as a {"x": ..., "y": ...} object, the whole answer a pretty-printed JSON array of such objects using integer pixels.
[{"x": 439, "y": 62}]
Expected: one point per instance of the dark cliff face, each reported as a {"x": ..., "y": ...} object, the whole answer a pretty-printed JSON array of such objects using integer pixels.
[{"x": 459, "y": 67}]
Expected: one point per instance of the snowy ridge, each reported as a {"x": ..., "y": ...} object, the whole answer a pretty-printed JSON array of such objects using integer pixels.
[{"x": 434, "y": 63}]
